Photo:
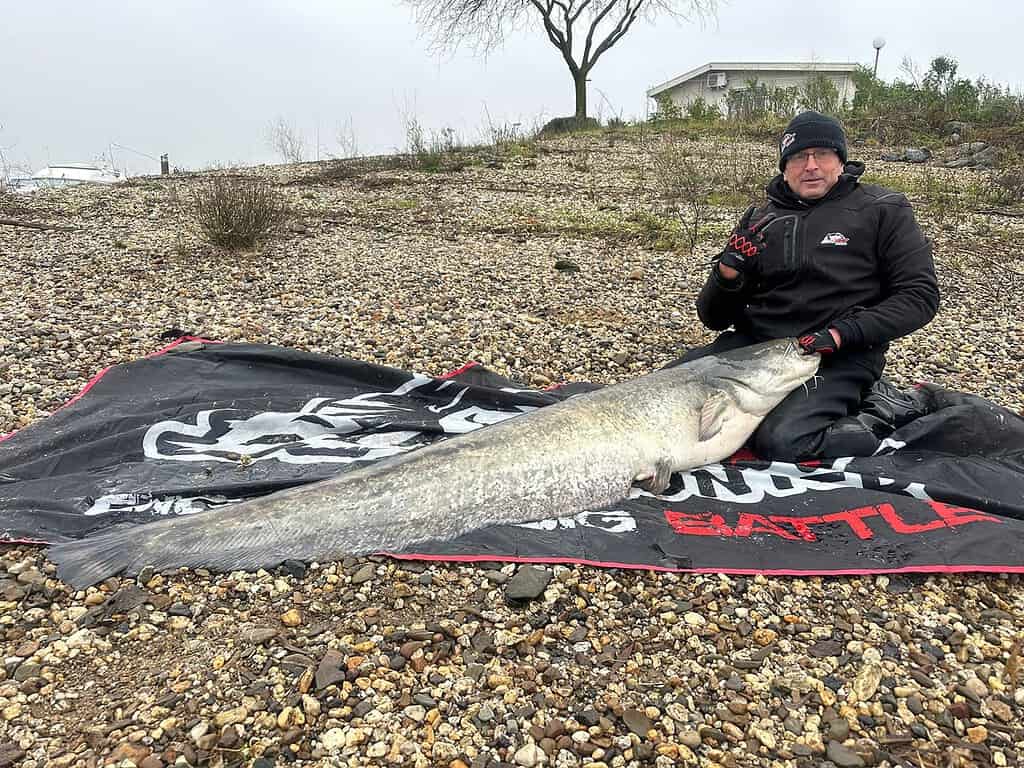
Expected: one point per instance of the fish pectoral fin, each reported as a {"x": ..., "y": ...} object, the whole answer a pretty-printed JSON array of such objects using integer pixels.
[
  {"x": 658, "y": 479},
  {"x": 712, "y": 415}
]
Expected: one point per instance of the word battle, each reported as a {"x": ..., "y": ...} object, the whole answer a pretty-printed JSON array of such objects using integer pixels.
[{"x": 802, "y": 527}]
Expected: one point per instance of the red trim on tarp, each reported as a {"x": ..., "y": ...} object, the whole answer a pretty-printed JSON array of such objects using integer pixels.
[
  {"x": 92, "y": 382},
  {"x": 732, "y": 571}
]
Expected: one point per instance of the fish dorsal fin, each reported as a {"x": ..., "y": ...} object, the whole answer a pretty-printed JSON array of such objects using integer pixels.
[{"x": 712, "y": 415}]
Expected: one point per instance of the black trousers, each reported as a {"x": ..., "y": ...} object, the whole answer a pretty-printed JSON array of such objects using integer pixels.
[{"x": 819, "y": 421}]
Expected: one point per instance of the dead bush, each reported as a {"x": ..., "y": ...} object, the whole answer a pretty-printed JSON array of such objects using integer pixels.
[
  {"x": 1006, "y": 186},
  {"x": 237, "y": 211},
  {"x": 687, "y": 184}
]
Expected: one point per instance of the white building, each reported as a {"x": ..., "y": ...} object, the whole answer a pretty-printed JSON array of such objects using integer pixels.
[{"x": 714, "y": 81}]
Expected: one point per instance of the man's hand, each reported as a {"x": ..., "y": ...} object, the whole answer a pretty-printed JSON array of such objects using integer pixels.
[
  {"x": 744, "y": 244},
  {"x": 824, "y": 342}
]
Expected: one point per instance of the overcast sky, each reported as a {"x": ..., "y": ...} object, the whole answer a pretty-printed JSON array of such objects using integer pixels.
[{"x": 202, "y": 80}]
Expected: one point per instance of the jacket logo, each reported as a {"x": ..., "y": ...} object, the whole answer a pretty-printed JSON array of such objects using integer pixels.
[
  {"x": 835, "y": 238},
  {"x": 787, "y": 139}
]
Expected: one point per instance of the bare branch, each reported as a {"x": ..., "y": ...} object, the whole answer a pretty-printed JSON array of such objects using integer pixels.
[
  {"x": 286, "y": 140},
  {"x": 613, "y": 36},
  {"x": 600, "y": 23}
]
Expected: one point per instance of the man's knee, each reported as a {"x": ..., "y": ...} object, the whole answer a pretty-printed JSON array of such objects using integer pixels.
[
  {"x": 849, "y": 436},
  {"x": 779, "y": 441}
]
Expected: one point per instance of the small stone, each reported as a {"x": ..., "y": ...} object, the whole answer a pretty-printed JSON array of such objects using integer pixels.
[
  {"x": 333, "y": 739},
  {"x": 128, "y": 751},
  {"x": 259, "y": 635},
  {"x": 825, "y": 648},
  {"x": 528, "y": 583},
  {"x": 10, "y": 755},
  {"x": 292, "y": 618},
  {"x": 529, "y": 755},
  {"x": 364, "y": 574},
  {"x": 415, "y": 712},
  {"x": 1001, "y": 710},
  {"x": 765, "y": 636},
  {"x": 198, "y": 731},
  {"x": 329, "y": 671},
  {"x": 230, "y": 717},
  {"x": 690, "y": 739},
  {"x": 637, "y": 722},
  {"x": 839, "y": 729},
  {"x": 977, "y": 688},
  {"x": 977, "y": 734},
  {"x": 310, "y": 706},
  {"x": 766, "y": 737},
  {"x": 843, "y": 756},
  {"x": 26, "y": 671},
  {"x": 866, "y": 683}
]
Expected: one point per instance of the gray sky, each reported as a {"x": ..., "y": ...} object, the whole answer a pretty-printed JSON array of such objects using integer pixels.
[{"x": 202, "y": 80}]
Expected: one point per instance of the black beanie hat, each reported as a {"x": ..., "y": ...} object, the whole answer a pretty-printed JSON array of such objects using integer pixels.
[{"x": 811, "y": 129}]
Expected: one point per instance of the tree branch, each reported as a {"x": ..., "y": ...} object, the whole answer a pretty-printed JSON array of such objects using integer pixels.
[
  {"x": 620, "y": 29},
  {"x": 555, "y": 34}
]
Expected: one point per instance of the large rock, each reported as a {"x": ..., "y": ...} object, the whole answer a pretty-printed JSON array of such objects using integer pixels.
[
  {"x": 967, "y": 156},
  {"x": 909, "y": 155},
  {"x": 955, "y": 126}
]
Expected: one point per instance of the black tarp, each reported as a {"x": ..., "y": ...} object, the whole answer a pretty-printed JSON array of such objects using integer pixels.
[{"x": 202, "y": 424}]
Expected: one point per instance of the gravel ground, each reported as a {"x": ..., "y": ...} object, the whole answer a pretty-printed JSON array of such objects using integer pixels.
[{"x": 380, "y": 662}]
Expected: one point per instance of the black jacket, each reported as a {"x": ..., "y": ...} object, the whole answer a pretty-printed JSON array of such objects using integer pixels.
[{"x": 855, "y": 260}]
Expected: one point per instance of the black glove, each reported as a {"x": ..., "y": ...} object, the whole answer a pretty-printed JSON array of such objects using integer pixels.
[
  {"x": 821, "y": 342},
  {"x": 745, "y": 242}
]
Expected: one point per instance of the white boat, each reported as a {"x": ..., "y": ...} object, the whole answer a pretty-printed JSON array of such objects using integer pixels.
[{"x": 68, "y": 174}]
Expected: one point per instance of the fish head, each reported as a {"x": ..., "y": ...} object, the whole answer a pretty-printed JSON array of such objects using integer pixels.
[{"x": 760, "y": 376}]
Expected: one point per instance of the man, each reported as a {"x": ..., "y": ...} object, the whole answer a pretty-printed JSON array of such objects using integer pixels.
[{"x": 840, "y": 265}]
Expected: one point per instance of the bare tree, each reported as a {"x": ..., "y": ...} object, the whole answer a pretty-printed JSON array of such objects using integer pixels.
[
  {"x": 599, "y": 23},
  {"x": 286, "y": 140},
  {"x": 346, "y": 138}
]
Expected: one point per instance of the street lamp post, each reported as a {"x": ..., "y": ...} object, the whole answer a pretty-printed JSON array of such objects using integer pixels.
[{"x": 878, "y": 42}]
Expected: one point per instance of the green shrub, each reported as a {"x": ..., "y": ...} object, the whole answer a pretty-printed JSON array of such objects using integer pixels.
[
  {"x": 820, "y": 94},
  {"x": 892, "y": 112},
  {"x": 667, "y": 111},
  {"x": 237, "y": 211},
  {"x": 757, "y": 102},
  {"x": 700, "y": 110}
]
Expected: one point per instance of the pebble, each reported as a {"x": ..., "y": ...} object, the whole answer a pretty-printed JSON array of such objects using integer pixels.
[
  {"x": 528, "y": 583},
  {"x": 843, "y": 756},
  {"x": 530, "y": 755}
]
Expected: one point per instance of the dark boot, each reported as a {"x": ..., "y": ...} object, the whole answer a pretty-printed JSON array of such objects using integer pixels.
[
  {"x": 895, "y": 407},
  {"x": 857, "y": 435}
]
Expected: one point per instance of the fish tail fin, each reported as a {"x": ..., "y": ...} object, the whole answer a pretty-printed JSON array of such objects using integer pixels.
[{"x": 85, "y": 562}]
